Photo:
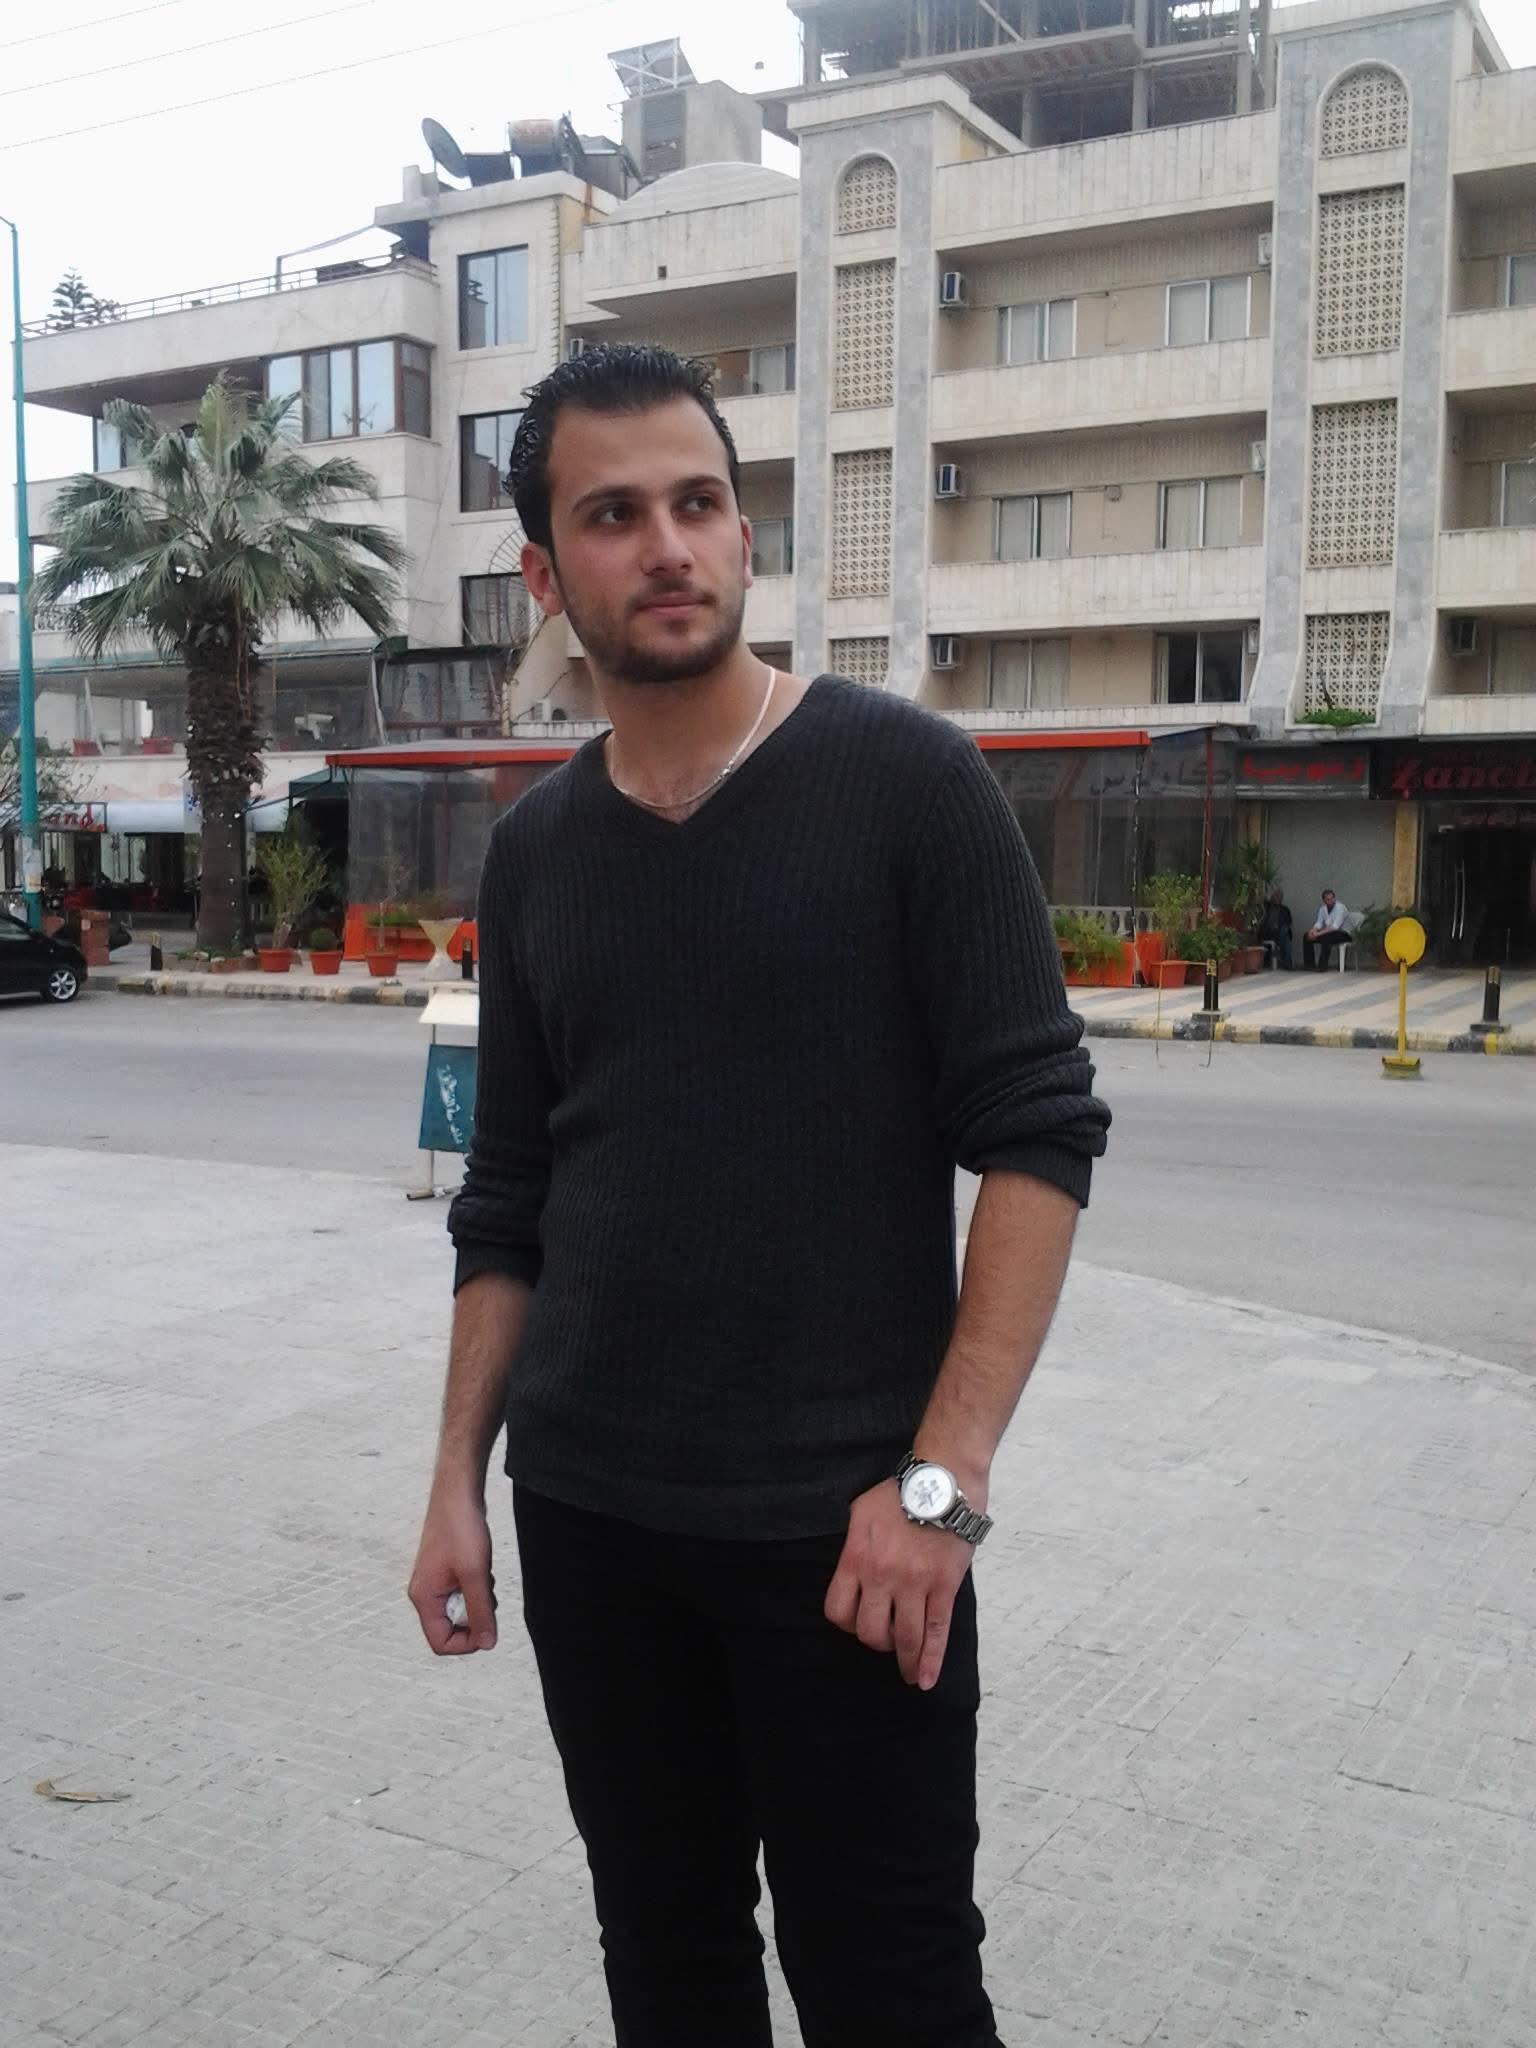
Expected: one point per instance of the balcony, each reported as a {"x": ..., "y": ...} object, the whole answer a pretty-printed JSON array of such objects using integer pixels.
[
  {"x": 1164, "y": 588},
  {"x": 638, "y": 262},
  {"x": 771, "y": 609},
  {"x": 1200, "y": 168},
  {"x": 1456, "y": 718},
  {"x": 1485, "y": 569},
  {"x": 1491, "y": 351},
  {"x": 158, "y": 349},
  {"x": 1494, "y": 121},
  {"x": 1099, "y": 718},
  {"x": 1205, "y": 381},
  {"x": 763, "y": 427}
]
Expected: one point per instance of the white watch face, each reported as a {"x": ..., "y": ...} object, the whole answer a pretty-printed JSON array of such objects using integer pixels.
[{"x": 928, "y": 1492}]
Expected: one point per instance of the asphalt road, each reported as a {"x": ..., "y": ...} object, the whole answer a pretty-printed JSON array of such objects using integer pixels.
[{"x": 1295, "y": 1178}]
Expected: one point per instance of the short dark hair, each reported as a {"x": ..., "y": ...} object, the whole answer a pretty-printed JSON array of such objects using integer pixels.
[{"x": 616, "y": 376}]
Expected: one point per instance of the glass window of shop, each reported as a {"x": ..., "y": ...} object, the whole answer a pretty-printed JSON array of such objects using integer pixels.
[{"x": 366, "y": 387}]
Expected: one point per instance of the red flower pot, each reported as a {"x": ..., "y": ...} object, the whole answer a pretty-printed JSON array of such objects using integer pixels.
[
  {"x": 382, "y": 966},
  {"x": 324, "y": 962},
  {"x": 275, "y": 959}
]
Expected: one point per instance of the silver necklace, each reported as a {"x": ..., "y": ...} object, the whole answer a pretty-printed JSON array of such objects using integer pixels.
[{"x": 681, "y": 803}]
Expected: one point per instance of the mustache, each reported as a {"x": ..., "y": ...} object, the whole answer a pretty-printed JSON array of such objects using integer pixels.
[{"x": 660, "y": 596}]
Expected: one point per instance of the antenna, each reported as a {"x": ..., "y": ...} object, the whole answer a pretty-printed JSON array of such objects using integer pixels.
[{"x": 446, "y": 153}]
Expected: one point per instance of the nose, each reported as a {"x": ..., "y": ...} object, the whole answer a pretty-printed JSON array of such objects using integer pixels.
[{"x": 666, "y": 549}]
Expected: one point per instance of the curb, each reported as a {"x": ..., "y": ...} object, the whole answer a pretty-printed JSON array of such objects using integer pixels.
[
  {"x": 393, "y": 994},
  {"x": 1340, "y": 1038}
]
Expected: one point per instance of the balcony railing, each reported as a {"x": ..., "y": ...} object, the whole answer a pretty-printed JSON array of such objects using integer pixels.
[{"x": 110, "y": 313}]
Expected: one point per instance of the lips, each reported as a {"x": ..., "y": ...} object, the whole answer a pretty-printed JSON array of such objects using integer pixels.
[{"x": 677, "y": 602}]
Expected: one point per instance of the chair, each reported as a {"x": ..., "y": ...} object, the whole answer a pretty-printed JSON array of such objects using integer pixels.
[{"x": 1353, "y": 919}]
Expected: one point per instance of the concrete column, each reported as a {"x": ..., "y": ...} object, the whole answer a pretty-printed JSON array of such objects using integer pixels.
[
  {"x": 1405, "y": 853},
  {"x": 811, "y": 55},
  {"x": 1244, "y": 57},
  {"x": 1139, "y": 97},
  {"x": 1141, "y": 21}
]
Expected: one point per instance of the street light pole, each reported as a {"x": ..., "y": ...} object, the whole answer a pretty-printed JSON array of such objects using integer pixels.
[{"x": 31, "y": 851}]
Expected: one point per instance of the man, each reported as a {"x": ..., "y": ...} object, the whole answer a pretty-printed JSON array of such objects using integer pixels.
[
  {"x": 756, "y": 971},
  {"x": 1275, "y": 928},
  {"x": 1328, "y": 930}
]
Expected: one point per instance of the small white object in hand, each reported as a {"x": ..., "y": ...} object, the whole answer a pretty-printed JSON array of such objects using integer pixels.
[{"x": 458, "y": 1613}]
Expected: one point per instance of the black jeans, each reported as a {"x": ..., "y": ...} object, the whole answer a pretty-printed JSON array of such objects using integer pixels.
[
  {"x": 1315, "y": 951},
  {"x": 703, "y": 1704}
]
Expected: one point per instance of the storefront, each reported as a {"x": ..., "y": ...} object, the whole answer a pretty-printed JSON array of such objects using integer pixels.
[
  {"x": 1476, "y": 806},
  {"x": 1317, "y": 823}
]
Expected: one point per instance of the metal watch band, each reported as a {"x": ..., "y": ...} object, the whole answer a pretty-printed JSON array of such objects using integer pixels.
[{"x": 962, "y": 1519}]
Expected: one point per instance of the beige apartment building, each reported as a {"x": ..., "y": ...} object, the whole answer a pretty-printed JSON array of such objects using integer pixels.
[{"x": 1132, "y": 381}]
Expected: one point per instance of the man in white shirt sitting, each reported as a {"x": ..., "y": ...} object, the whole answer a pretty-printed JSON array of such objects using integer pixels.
[{"x": 1328, "y": 930}]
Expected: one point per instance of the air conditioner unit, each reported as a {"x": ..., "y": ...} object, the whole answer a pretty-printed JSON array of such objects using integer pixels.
[
  {"x": 952, "y": 290},
  {"x": 1258, "y": 457},
  {"x": 1462, "y": 635},
  {"x": 945, "y": 650},
  {"x": 1251, "y": 638},
  {"x": 575, "y": 347},
  {"x": 1266, "y": 251},
  {"x": 541, "y": 713},
  {"x": 948, "y": 481}
]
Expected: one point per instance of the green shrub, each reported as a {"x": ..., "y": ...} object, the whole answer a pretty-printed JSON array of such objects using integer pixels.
[
  {"x": 1339, "y": 717},
  {"x": 1207, "y": 941},
  {"x": 323, "y": 940},
  {"x": 1088, "y": 938},
  {"x": 1172, "y": 899}
]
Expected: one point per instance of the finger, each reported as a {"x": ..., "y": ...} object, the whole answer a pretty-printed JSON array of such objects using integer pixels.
[
  {"x": 941, "y": 1610},
  {"x": 910, "y": 1633},
  {"x": 842, "y": 1602},
  {"x": 874, "y": 1623},
  {"x": 443, "y": 1639},
  {"x": 479, "y": 1589}
]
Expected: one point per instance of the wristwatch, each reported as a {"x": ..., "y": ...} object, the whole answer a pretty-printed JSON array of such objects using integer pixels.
[{"x": 931, "y": 1494}]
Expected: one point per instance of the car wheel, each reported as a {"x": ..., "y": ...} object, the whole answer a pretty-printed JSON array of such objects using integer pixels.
[{"x": 62, "y": 985}]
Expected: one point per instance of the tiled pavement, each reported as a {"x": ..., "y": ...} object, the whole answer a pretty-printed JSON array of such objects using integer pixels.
[{"x": 1259, "y": 1655}]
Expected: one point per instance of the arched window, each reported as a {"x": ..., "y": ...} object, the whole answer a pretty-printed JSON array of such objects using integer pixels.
[
  {"x": 1367, "y": 109},
  {"x": 866, "y": 196}
]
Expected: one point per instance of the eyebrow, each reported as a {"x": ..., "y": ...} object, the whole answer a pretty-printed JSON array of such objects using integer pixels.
[{"x": 610, "y": 493}]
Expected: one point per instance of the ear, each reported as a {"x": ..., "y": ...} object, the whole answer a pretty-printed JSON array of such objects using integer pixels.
[
  {"x": 746, "y": 551},
  {"x": 539, "y": 575}
]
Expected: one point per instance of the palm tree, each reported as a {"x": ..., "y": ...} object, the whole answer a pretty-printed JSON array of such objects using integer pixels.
[{"x": 227, "y": 534}]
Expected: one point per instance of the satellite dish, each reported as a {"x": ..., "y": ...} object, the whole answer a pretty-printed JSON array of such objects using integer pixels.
[{"x": 445, "y": 151}]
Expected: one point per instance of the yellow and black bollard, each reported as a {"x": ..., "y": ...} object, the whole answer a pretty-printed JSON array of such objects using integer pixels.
[
  {"x": 467, "y": 959},
  {"x": 156, "y": 956},
  {"x": 1488, "y": 1025}
]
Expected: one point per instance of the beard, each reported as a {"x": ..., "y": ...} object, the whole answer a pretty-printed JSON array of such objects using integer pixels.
[{"x": 614, "y": 651}]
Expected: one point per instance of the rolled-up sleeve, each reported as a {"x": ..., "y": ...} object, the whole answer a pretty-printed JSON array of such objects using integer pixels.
[
  {"x": 494, "y": 1219},
  {"x": 1013, "y": 1087}
]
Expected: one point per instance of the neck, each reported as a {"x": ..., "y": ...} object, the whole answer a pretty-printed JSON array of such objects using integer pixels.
[{"x": 669, "y": 732}]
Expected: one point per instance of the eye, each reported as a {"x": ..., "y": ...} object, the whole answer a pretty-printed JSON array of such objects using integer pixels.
[
  {"x": 609, "y": 515},
  {"x": 700, "y": 501}
]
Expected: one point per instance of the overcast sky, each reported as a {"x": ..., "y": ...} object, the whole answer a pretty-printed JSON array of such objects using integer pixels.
[{"x": 214, "y": 191}]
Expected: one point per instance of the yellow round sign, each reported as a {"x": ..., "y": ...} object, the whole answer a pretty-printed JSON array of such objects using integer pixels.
[{"x": 1404, "y": 941}]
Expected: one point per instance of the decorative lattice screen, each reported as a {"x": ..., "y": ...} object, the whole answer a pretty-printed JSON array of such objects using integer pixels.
[
  {"x": 1353, "y": 516},
  {"x": 861, "y": 523},
  {"x": 866, "y": 196},
  {"x": 1346, "y": 653},
  {"x": 1360, "y": 271},
  {"x": 862, "y": 661},
  {"x": 863, "y": 341},
  {"x": 1367, "y": 109}
]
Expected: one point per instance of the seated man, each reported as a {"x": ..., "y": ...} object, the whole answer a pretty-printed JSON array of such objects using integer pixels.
[
  {"x": 1275, "y": 928},
  {"x": 1327, "y": 931}
]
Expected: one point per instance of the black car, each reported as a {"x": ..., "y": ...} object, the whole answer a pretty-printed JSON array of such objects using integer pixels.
[{"x": 32, "y": 964}]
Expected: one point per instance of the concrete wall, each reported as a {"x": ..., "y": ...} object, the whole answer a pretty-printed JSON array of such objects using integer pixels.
[
  {"x": 1104, "y": 391},
  {"x": 1342, "y": 845}
]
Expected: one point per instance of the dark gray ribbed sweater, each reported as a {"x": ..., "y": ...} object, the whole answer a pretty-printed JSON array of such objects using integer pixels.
[{"x": 726, "y": 1070}]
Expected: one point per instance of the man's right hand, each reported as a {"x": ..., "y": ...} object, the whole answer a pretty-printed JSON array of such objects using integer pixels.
[{"x": 454, "y": 1556}]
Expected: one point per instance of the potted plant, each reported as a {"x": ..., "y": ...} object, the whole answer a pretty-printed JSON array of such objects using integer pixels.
[
  {"x": 1248, "y": 873},
  {"x": 1091, "y": 954},
  {"x": 1209, "y": 940},
  {"x": 294, "y": 872},
  {"x": 1371, "y": 934},
  {"x": 1172, "y": 899},
  {"x": 324, "y": 951}
]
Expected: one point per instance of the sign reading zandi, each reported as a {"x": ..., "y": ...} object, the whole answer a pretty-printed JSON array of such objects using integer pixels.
[{"x": 1508, "y": 773}]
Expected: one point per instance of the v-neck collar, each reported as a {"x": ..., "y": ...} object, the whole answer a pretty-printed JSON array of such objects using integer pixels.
[{"x": 592, "y": 765}]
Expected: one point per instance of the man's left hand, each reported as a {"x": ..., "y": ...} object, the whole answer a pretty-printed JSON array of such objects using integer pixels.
[{"x": 896, "y": 1581}]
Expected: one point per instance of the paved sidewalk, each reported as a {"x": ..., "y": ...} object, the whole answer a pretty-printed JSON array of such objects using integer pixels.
[{"x": 1259, "y": 1657}]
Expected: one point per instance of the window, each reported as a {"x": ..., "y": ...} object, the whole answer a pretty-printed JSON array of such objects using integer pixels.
[
  {"x": 493, "y": 298},
  {"x": 485, "y": 449},
  {"x": 1200, "y": 668},
  {"x": 772, "y": 369},
  {"x": 1209, "y": 309},
  {"x": 1517, "y": 500},
  {"x": 494, "y": 610},
  {"x": 111, "y": 450},
  {"x": 368, "y": 387},
  {"x": 1028, "y": 675},
  {"x": 1044, "y": 330},
  {"x": 1520, "y": 280},
  {"x": 1206, "y": 512},
  {"x": 1512, "y": 667},
  {"x": 1034, "y": 529},
  {"x": 773, "y": 547}
]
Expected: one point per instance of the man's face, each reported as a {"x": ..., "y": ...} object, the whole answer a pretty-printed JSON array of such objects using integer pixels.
[
  {"x": 651, "y": 557},
  {"x": 1328, "y": 899}
]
